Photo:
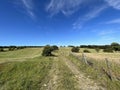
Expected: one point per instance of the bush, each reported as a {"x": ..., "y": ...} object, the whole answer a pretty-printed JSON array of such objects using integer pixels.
[
  {"x": 1, "y": 49},
  {"x": 47, "y": 51},
  {"x": 110, "y": 50},
  {"x": 116, "y": 48},
  {"x": 55, "y": 47},
  {"x": 86, "y": 51},
  {"x": 75, "y": 49},
  {"x": 97, "y": 49},
  {"x": 12, "y": 48}
]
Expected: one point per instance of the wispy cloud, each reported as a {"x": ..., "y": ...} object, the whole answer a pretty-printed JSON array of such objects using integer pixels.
[
  {"x": 114, "y": 3},
  {"x": 115, "y": 21},
  {"x": 67, "y": 7},
  {"x": 29, "y": 6},
  {"x": 90, "y": 15},
  {"x": 107, "y": 32}
]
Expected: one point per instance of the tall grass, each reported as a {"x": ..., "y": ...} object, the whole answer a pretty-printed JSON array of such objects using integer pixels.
[
  {"x": 67, "y": 78},
  {"x": 27, "y": 75},
  {"x": 97, "y": 73}
]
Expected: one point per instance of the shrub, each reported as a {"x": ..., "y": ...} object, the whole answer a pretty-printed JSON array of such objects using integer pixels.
[
  {"x": 47, "y": 51},
  {"x": 97, "y": 49},
  {"x": 1, "y": 49},
  {"x": 75, "y": 49},
  {"x": 12, "y": 48},
  {"x": 110, "y": 50},
  {"x": 86, "y": 51},
  {"x": 55, "y": 47},
  {"x": 116, "y": 48}
]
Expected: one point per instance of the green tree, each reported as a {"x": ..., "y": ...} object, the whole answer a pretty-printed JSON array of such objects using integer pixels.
[{"x": 114, "y": 44}]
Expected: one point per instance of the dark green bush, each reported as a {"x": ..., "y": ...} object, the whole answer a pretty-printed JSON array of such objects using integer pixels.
[
  {"x": 12, "y": 48},
  {"x": 97, "y": 49},
  {"x": 55, "y": 47},
  {"x": 1, "y": 49},
  {"x": 75, "y": 49},
  {"x": 47, "y": 51},
  {"x": 86, "y": 51},
  {"x": 110, "y": 50}
]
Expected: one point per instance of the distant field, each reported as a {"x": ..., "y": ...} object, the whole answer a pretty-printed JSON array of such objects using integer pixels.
[
  {"x": 20, "y": 55},
  {"x": 114, "y": 57}
]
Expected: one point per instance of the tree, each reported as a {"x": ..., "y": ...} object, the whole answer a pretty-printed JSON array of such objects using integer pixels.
[
  {"x": 47, "y": 51},
  {"x": 75, "y": 49},
  {"x": 114, "y": 44}
]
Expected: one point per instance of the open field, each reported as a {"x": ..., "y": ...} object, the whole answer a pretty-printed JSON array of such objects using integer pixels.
[
  {"x": 20, "y": 55},
  {"x": 26, "y": 69},
  {"x": 113, "y": 57}
]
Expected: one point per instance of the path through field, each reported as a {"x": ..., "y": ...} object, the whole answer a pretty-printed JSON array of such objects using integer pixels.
[
  {"x": 62, "y": 74},
  {"x": 81, "y": 82}
]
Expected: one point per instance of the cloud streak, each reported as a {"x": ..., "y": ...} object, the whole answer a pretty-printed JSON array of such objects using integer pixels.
[
  {"x": 67, "y": 7},
  {"x": 108, "y": 32},
  {"x": 29, "y": 6},
  {"x": 90, "y": 15},
  {"x": 115, "y": 21},
  {"x": 114, "y": 3}
]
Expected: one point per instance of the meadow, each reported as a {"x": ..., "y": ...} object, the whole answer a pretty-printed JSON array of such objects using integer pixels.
[{"x": 27, "y": 69}]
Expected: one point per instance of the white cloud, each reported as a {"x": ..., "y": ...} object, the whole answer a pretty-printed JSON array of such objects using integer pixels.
[
  {"x": 108, "y": 32},
  {"x": 115, "y": 21},
  {"x": 67, "y": 7},
  {"x": 90, "y": 15},
  {"x": 114, "y": 3},
  {"x": 29, "y": 6}
]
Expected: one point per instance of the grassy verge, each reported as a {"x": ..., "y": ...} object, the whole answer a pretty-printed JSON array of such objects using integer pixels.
[
  {"x": 27, "y": 75},
  {"x": 96, "y": 72}
]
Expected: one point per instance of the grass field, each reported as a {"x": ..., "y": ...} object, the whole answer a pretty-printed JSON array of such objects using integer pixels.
[{"x": 26, "y": 69}]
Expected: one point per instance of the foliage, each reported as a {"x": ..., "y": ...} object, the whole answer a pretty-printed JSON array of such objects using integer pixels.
[
  {"x": 110, "y": 50},
  {"x": 12, "y": 48},
  {"x": 97, "y": 49},
  {"x": 1, "y": 49},
  {"x": 47, "y": 51},
  {"x": 86, "y": 51},
  {"x": 116, "y": 48},
  {"x": 54, "y": 47},
  {"x": 114, "y": 44},
  {"x": 75, "y": 49}
]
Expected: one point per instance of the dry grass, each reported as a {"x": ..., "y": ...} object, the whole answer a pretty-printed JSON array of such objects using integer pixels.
[{"x": 114, "y": 57}]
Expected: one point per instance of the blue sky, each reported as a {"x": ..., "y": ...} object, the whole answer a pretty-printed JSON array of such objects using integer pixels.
[{"x": 59, "y": 22}]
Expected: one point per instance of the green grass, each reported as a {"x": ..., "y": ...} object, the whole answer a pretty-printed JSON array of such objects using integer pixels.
[
  {"x": 32, "y": 71},
  {"x": 20, "y": 55},
  {"x": 67, "y": 78},
  {"x": 27, "y": 75},
  {"x": 96, "y": 72}
]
